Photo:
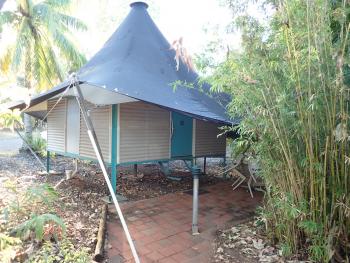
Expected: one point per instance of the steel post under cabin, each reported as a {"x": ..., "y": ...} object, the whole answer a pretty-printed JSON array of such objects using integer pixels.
[
  {"x": 195, "y": 174},
  {"x": 114, "y": 168}
]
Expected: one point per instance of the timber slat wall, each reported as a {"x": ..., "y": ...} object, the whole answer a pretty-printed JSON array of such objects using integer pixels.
[
  {"x": 144, "y": 132},
  {"x": 100, "y": 117},
  {"x": 56, "y": 125},
  {"x": 206, "y": 141}
]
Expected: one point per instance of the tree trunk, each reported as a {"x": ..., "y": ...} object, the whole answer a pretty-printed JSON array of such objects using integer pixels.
[{"x": 28, "y": 128}]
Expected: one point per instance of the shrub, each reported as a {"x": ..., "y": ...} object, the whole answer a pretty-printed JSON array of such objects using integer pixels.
[
  {"x": 63, "y": 251},
  {"x": 8, "y": 247},
  {"x": 8, "y": 119},
  {"x": 290, "y": 84},
  {"x": 44, "y": 226},
  {"x": 38, "y": 144}
]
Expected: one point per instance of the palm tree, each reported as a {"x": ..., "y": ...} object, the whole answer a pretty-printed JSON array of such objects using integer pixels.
[{"x": 44, "y": 49}]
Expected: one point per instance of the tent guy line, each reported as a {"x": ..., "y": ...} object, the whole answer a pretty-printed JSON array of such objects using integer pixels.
[{"x": 94, "y": 141}]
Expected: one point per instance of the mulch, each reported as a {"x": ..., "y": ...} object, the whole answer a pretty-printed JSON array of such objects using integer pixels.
[{"x": 81, "y": 197}]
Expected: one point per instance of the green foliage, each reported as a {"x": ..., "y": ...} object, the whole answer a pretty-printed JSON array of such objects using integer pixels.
[
  {"x": 286, "y": 250},
  {"x": 43, "y": 193},
  {"x": 37, "y": 224},
  {"x": 36, "y": 199},
  {"x": 8, "y": 247},
  {"x": 8, "y": 119},
  {"x": 44, "y": 49},
  {"x": 290, "y": 85},
  {"x": 63, "y": 251},
  {"x": 38, "y": 144},
  {"x": 27, "y": 204}
]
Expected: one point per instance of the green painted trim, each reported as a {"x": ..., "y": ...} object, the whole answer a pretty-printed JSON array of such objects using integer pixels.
[
  {"x": 210, "y": 156},
  {"x": 77, "y": 156},
  {"x": 157, "y": 160},
  {"x": 114, "y": 147}
]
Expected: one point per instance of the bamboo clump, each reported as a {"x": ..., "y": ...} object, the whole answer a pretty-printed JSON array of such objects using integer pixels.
[{"x": 292, "y": 85}]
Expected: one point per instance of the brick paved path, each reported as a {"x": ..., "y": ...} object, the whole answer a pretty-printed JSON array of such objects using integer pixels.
[{"x": 161, "y": 227}]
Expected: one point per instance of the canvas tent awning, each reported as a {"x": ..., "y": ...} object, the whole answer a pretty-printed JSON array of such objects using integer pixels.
[{"x": 137, "y": 64}]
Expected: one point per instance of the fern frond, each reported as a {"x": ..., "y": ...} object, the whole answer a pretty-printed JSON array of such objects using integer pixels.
[{"x": 37, "y": 224}]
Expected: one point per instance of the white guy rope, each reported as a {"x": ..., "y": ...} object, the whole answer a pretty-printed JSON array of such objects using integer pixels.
[
  {"x": 94, "y": 142},
  {"x": 115, "y": 201},
  {"x": 59, "y": 99}
]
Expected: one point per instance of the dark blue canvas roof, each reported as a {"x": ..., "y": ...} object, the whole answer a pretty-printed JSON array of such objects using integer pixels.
[{"x": 138, "y": 61}]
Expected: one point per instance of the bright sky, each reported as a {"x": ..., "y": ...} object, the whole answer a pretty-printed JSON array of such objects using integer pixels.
[
  {"x": 175, "y": 18},
  {"x": 180, "y": 18}
]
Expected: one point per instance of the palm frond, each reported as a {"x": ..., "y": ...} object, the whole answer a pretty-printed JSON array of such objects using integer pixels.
[
  {"x": 54, "y": 63},
  {"x": 44, "y": 48},
  {"x": 59, "y": 4},
  {"x": 23, "y": 42},
  {"x": 71, "y": 22},
  {"x": 53, "y": 19},
  {"x": 5, "y": 60},
  {"x": 7, "y": 18},
  {"x": 40, "y": 67},
  {"x": 68, "y": 49},
  {"x": 46, "y": 66}
]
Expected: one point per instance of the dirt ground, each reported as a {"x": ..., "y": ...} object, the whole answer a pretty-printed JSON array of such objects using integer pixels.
[{"x": 81, "y": 197}]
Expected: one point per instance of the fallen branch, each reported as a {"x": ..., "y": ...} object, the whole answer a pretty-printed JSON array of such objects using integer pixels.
[{"x": 98, "y": 255}]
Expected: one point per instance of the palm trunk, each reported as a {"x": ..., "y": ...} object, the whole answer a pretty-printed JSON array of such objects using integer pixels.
[{"x": 28, "y": 128}]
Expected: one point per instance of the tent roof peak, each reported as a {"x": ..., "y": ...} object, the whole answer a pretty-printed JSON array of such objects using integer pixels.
[{"x": 138, "y": 4}]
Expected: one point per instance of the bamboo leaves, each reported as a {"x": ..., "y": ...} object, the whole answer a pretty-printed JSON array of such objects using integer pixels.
[{"x": 290, "y": 83}]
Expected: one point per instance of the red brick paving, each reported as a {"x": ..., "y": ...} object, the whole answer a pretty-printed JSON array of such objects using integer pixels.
[{"x": 161, "y": 227}]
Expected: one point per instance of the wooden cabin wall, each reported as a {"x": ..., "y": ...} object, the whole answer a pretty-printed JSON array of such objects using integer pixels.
[
  {"x": 144, "y": 132},
  {"x": 206, "y": 141},
  {"x": 101, "y": 119},
  {"x": 56, "y": 125}
]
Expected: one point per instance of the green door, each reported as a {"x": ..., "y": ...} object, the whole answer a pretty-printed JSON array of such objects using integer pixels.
[{"x": 181, "y": 140}]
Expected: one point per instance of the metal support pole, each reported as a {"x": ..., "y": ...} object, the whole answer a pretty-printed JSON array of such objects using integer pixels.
[
  {"x": 48, "y": 162},
  {"x": 98, "y": 152},
  {"x": 195, "y": 173},
  {"x": 114, "y": 174},
  {"x": 135, "y": 169},
  {"x": 205, "y": 165}
]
